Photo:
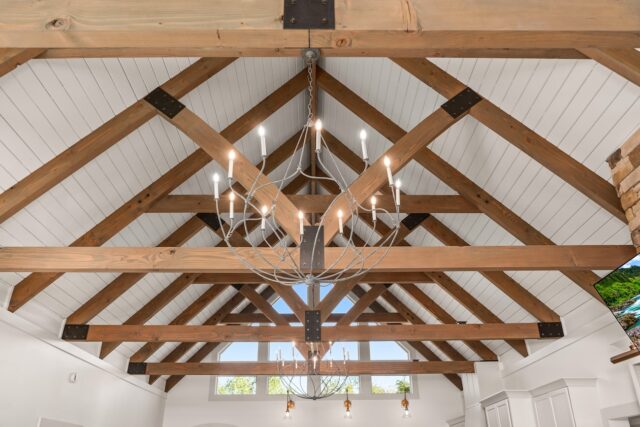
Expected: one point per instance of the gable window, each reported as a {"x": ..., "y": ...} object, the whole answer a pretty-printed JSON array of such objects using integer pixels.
[{"x": 389, "y": 384}]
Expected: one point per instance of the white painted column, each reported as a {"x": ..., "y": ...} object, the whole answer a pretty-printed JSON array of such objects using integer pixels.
[{"x": 473, "y": 413}]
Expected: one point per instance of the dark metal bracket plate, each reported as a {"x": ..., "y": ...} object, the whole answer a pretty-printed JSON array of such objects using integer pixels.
[
  {"x": 312, "y": 248},
  {"x": 309, "y": 14},
  {"x": 312, "y": 325},
  {"x": 137, "y": 368},
  {"x": 461, "y": 103},
  {"x": 164, "y": 102},
  {"x": 212, "y": 220},
  {"x": 75, "y": 332},
  {"x": 551, "y": 330},
  {"x": 413, "y": 220}
]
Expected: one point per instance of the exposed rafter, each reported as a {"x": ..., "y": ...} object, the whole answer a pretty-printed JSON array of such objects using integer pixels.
[
  {"x": 12, "y": 58},
  {"x": 625, "y": 62}
]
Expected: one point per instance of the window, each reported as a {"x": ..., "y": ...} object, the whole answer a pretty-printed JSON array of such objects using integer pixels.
[
  {"x": 237, "y": 352},
  {"x": 390, "y": 384},
  {"x": 343, "y": 306},
  {"x": 388, "y": 350},
  {"x": 340, "y": 350},
  {"x": 236, "y": 385}
]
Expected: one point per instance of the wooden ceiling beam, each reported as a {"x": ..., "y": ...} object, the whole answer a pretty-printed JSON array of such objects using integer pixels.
[
  {"x": 625, "y": 62},
  {"x": 490, "y": 206},
  {"x": 362, "y": 25},
  {"x": 10, "y": 59},
  {"x": 211, "y": 333},
  {"x": 319, "y": 203},
  {"x": 410, "y": 259},
  {"x": 270, "y": 368},
  {"x": 237, "y": 318},
  {"x": 245, "y": 173},
  {"x": 538, "y": 148},
  {"x": 425, "y": 52},
  {"x": 98, "y": 141},
  {"x": 115, "y": 222}
]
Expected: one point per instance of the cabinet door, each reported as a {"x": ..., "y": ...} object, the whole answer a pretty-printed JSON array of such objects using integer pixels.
[
  {"x": 562, "y": 408},
  {"x": 544, "y": 412},
  {"x": 504, "y": 415},
  {"x": 493, "y": 419}
]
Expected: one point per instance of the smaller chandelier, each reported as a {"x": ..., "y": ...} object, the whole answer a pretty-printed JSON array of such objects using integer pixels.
[
  {"x": 314, "y": 378},
  {"x": 244, "y": 212}
]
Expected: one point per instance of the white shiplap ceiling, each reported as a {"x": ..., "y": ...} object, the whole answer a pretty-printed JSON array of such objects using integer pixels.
[{"x": 48, "y": 105}]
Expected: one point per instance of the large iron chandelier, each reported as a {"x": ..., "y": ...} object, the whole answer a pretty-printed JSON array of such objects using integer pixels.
[{"x": 309, "y": 267}]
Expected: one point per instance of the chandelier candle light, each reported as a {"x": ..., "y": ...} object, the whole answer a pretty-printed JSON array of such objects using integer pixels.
[{"x": 305, "y": 264}]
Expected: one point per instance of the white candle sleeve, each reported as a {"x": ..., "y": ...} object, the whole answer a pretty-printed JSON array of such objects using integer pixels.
[
  {"x": 318, "y": 140},
  {"x": 389, "y": 176},
  {"x": 216, "y": 190},
  {"x": 397, "y": 196},
  {"x": 263, "y": 146},
  {"x": 301, "y": 226},
  {"x": 365, "y": 155},
  {"x": 340, "y": 224},
  {"x": 263, "y": 225},
  {"x": 230, "y": 168},
  {"x": 373, "y": 213},
  {"x": 231, "y": 209}
]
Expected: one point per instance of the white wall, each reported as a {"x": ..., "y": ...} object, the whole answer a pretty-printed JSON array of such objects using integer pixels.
[
  {"x": 34, "y": 383},
  {"x": 188, "y": 406}
]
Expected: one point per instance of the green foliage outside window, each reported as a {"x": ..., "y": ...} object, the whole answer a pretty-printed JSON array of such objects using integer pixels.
[{"x": 236, "y": 385}]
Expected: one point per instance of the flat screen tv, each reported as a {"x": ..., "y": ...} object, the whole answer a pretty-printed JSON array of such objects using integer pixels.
[{"x": 620, "y": 290}]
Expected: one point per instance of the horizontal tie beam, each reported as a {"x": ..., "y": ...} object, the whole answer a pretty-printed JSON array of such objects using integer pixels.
[
  {"x": 208, "y": 333},
  {"x": 397, "y": 259}
]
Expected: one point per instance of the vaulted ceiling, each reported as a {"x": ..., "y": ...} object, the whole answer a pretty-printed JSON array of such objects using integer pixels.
[{"x": 47, "y": 105}]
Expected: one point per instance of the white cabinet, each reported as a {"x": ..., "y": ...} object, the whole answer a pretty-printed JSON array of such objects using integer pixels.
[{"x": 554, "y": 409}]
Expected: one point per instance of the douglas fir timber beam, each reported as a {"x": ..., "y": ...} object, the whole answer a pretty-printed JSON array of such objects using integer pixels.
[
  {"x": 270, "y": 368},
  {"x": 365, "y": 27},
  {"x": 112, "y": 224},
  {"x": 208, "y": 333},
  {"x": 625, "y": 62},
  {"x": 398, "y": 259},
  {"x": 12, "y": 58}
]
